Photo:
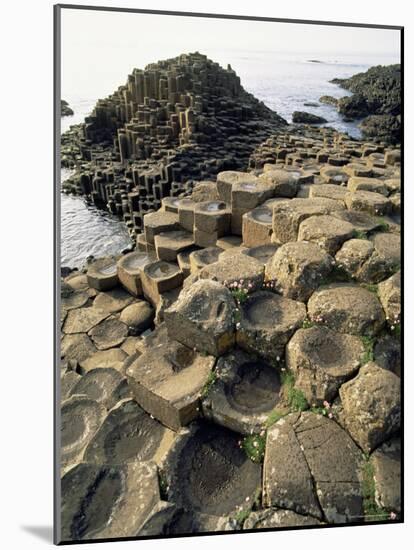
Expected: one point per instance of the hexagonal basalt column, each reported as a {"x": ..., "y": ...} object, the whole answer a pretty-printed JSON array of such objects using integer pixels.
[
  {"x": 159, "y": 222},
  {"x": 102, "y": 274},
  {"x": 245, "y": 196},
  {"x": 257, "y": 227},
  {"x": 211, "y": 221},
  {"x": 125, "y": 502},
  {"x": 347, "y": 308},
  {"x": 167, "y": 382},
  {"x": 202, "y": 318},
  {"x": 313, "y": 467},
  {"x": 168, "y": 245},
  {"x": 288, "y": 215},
  {"x": 159, "y": 277},
  {"x": 298, "y": 269},
  {"x": 170, "y": 204},
  {"x": 326, "y": 231},
  {"x": 244, "y": 393},
  {"x": 130, "y": 268},
  {"x": 261, "y": 253},
  {"x": 80, "y": 419},
  {"x": 285, "y": 182},
  {"x": 371, "y": 406},
  {"x": 186, "y": 214},
  {"x": 208, "y": 473},
  {"x": 235, "y": 268},
  {"x": 321, "y": 360},
  {"x": 368, "y": 201},
  {"x": 226, "y": 180},
  {"x": 267, "y": 322},
  {"x": 201, "y": 258},
  {"x": 118, "y": 440},
  {"x": 104, "y": 385}
]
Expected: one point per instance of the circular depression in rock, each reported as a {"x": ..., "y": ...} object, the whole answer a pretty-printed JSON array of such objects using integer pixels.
[
  {"x": 79, "y": 420},
  {"x": 256, "y": 388},
  {"x": 128, "y": 433},
  {"x": 89, "y": 494},
  {"x": 262, "y": 253},
  {"x": 263, "y": 215},
  {"x": 109, "y": 269},
  {"x": 213, "y": 475},
  {"x": 162, "y": 269},
  {"x": 213, "y": 206},
  {"x": 135, "y": 261},
  {"x": 262, "y": 310}
]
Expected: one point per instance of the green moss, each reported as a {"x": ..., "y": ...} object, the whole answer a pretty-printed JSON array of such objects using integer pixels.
[
  {"x": 295, "y": 398},
  {"x": 240, "y": 295},
  {"x": 254, "y": 446},
  {"x": 368, "y": 343},
  {"x": 360, "y": 235},
  {"x": 212, "y": 377},
  {"x": 371, "y": 287},
  {"x": 372, "y": 511},
  {"x": 307, "y": 323},
  {"x": 383, "y": 225}
]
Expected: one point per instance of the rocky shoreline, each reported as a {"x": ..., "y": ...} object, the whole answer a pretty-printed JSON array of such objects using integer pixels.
[
  {"x": 376, "y": 99},
  {"x": 240, "y": 369}
]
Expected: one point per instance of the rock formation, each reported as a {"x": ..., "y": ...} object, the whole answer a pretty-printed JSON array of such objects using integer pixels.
[
  {"x": 65, "y": 110},
  {"x": 239, "y": 369}
]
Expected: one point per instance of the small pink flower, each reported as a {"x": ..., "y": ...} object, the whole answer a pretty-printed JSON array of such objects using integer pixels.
[
  {"x": 393, "y": 515},
  {"x": 326, "y": 404},
  {"x": 330, "y": 415}
]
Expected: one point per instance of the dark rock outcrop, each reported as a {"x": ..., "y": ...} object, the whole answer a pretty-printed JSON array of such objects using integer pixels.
[
  {"x": 307, "y": 118},
  {"x": 65, "y": 110},
  {"x": 377, "y": 96}
]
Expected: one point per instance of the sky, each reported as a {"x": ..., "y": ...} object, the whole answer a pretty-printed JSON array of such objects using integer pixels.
[{"x": 100, "y": 48}]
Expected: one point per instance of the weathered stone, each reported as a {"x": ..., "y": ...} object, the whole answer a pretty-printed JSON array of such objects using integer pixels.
[
  {"x": 208, "y": 473},
  {"x": 367, "y": 184},
  {"x": 80, "y": 419},
  {"x": 226, "y": 180},
  {"x": 183, "y": 260},
  {"x": 358, "y": 170},
  {"x": 201, "y": 258},
  {"x": 285, "y": 184},
  {"x": 298, "y": 269},
  {"x": 167, "y": 299},
  {"x": 77, "y": 347},
  {"x": 372, "y": 407},
  {"x": 244, "y": 393},
  {"x": 230, "y": 241},
  {"x": 186, "y": 214},
  {"x": 203, "y": 318},
  {"x": 252, "y": 193},
  {"x": 109, "y": 333},
  {"x": 321, "y": 360},
  {"x": 327, "y": 191},
  {"x": 360, "y": 220},
  {"x": 130, "y": 268},
  {"x": 335, "y": 176},
  {"x": 111, "y": 358},
  {"x": 170, "y": 204},
  {"x": 159, "y": 222},
  {"x": 137, "y": 317},
  {"x": 257, "y": 227},
  {"x": 312, "y": 467},
  {"x": 167, "y": 382},
  {"x": 368, "y": 201},
  {"x": 230, "y": 252},
  {"x": 386, "y": 461},
  {"x": 159, "y": 277},
  {"x": 267, "y": 322},
  {"x": 389, "y": 293},
  {"x": 123, "y": 504},
  {"x": 205, "y": 191},
  {"x": 168, "y": 245},
  {"x": 353, "y": 255},
  {"x": 234, "y": 269},
  {"x": 129, "y": 345},
  {"x": 71, "y": 299},
  {"x": 288, "y": 215},
  {"x": 326, "y": 231},
  {"x": 103, "y": 385},
  {"x": 83, "y": 319},
  {"x": 68, "y": 380},
  {"x": 102, "y": 274},
  {"x": 113, "y": 300},
  {"x": 127, "y": 434},
  {"x": 212, "y": 217},
  {"x": 275, "y": 518},
  {"x": 384, "y": 260},
  {"x": 347, "y": 308},
  {"x": 261, "y": 253}
]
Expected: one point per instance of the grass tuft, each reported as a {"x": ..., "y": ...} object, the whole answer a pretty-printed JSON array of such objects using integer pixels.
[
  {"x": 254, "y": 446},
  {"x": 212, "y": 377},
  {"x": 372, "y": 511},
  {"x": 368, "y": 343}
]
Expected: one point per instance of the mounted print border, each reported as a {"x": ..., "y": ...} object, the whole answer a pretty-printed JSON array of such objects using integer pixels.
[{"x": 229, "y": 277}]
